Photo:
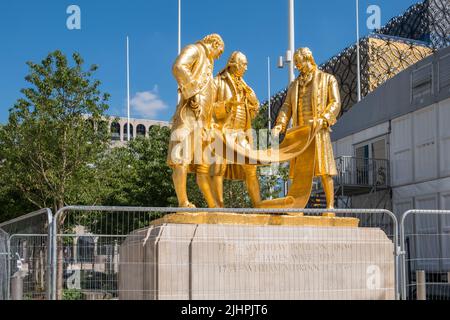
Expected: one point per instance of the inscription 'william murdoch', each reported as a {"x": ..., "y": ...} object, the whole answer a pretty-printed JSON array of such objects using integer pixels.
[{"x": 262, "y": 268}]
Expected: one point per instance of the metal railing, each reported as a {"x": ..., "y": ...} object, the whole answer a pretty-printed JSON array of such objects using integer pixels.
[
  {"x": 4, "y": 255},
  {"x": 363, "y": 172},
  {"x": 425, "y": 248},
  {"x": 84, "y": 247},
  {"x": 93, "y": 266},
  {"x": 29, "y": 254}
]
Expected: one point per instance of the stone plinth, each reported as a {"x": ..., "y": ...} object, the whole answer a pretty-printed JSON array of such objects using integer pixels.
[{"x": 249, "y": 262}]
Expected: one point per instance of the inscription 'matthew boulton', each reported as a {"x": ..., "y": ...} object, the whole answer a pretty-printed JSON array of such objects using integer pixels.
[{"x": 283, "y": 253}]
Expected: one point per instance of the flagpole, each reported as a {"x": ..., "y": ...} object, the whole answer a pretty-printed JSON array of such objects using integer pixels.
[
  {"x": 269, "y": 117},
  {"x": 179, "y": 38},
  {"x": 290, "y": 59},
  {"x": 268, "y": 96},
  {"x": 358, "y": 51},
  {"x": 128, "y": 89},
  {"x": 291, "y": 49},
  {"x": 179, "y": 26}
]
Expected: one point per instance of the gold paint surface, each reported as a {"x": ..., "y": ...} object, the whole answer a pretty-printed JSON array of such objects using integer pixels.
[
  {"x": 299, "y": 220},
  {"x": 312, "y": 104},
  {"x": 313, "y": 99}
]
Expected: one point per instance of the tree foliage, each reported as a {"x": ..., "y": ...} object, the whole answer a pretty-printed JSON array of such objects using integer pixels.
[
  {"x": 55, "y": 131},
  {"x": 137, "y": 174}
]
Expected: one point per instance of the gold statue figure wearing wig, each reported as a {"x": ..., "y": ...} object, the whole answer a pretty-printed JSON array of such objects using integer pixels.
[
  {"x": 235, "y": 108},
  {"x": 312, "y": 100},
  {"x": 193, "y": 70}
]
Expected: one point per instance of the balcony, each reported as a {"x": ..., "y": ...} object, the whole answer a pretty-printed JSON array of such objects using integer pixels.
[
  {"x": 358, "y": 176},
  {"x": 363, "y": 173}
]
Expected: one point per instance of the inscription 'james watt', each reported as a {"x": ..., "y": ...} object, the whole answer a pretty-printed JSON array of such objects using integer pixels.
[{"x": 282, "y": 252}]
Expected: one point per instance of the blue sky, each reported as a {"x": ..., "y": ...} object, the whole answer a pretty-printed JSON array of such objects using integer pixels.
[{"x": 31, "y": 29}]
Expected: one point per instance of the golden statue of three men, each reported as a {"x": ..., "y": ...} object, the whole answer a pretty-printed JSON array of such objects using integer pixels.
[{"x": 210, "y": 108}]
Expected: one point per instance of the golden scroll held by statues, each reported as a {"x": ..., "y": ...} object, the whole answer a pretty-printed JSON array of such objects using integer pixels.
[{"x": 299, "y": 141}]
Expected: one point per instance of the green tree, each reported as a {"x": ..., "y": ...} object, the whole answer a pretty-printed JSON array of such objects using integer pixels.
[
  {"x": 55, "y": 132},
  {"x": 235, "y": 195},
  {"x": 12, "y": 202},
  {"x": 273, "y": 185},
  {"x": 137, "y": 174},
  {"x": 261, "y": 120}
]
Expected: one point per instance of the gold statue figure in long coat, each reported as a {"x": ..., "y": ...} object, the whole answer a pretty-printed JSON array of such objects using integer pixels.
[
  {"x": 235, "y": 108},
  {"x": 313, "y": 100},
  {"x": 193, "y": 70}
]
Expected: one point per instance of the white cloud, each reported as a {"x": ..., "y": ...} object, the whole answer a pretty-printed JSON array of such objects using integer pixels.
[{"x": 147, "y": 104}]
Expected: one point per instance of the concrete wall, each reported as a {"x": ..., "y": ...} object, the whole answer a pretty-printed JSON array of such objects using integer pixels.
[
  {"x": 346, "y": 145},
  {"x": 420, "y": 156}
]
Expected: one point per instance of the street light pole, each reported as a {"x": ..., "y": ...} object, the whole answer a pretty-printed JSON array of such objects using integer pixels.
[
  {"x": 179, "y": 38},
  {"x": 269, "y": 116},
  {"x": 128, "y": 89},
  {"x": 290, "y": 53},
  {"x": 289, "y": 59}
]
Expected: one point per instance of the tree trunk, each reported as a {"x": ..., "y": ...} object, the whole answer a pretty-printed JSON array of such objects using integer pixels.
[
  {"x": 38, "y": 269},
  {"x": 60, "y": 271},
  {"x": 59, "y": 255}
]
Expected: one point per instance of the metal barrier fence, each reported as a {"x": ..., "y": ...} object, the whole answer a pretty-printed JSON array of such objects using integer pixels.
[
  {"x": 26, "y": 264},
  {"x": 3, "y": 264},
  {"x": 115, "y": 253},
  {"x": 90, "y": 241},
  {"x": 425, "y": 242}
]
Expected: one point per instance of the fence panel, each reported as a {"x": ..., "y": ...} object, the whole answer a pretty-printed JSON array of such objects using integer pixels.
[
  {"x": 29, "y": 267},
  {"x": 112, "y": 253},
  {"x": 28, "y": 256},
  {"x": 425, "y": 241},
  {"x": 3, "y": 264}
]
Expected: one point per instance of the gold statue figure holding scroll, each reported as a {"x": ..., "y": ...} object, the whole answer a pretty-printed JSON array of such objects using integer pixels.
[
  {"x": 313, "y": 101},
  {"x": 235, "y": 108},
  {"x": 193, "y": 70},
  {"x": 214, "y": 106}
]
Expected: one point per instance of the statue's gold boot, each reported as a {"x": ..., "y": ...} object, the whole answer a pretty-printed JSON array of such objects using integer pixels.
[
  {"x": 187, "y": 205},
  {"x": 329, "y": 214},
  {"x": 282, "y": 203}
]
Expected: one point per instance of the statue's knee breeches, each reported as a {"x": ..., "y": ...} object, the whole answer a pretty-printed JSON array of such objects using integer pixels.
[
  {"x": 220, "y": 169},
  {"x": 202, "y": 169},
  {"x": 250, "y": 171}
]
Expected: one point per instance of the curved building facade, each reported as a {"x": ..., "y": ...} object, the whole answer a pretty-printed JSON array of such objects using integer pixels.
[{"x": 138, "y": 128}]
